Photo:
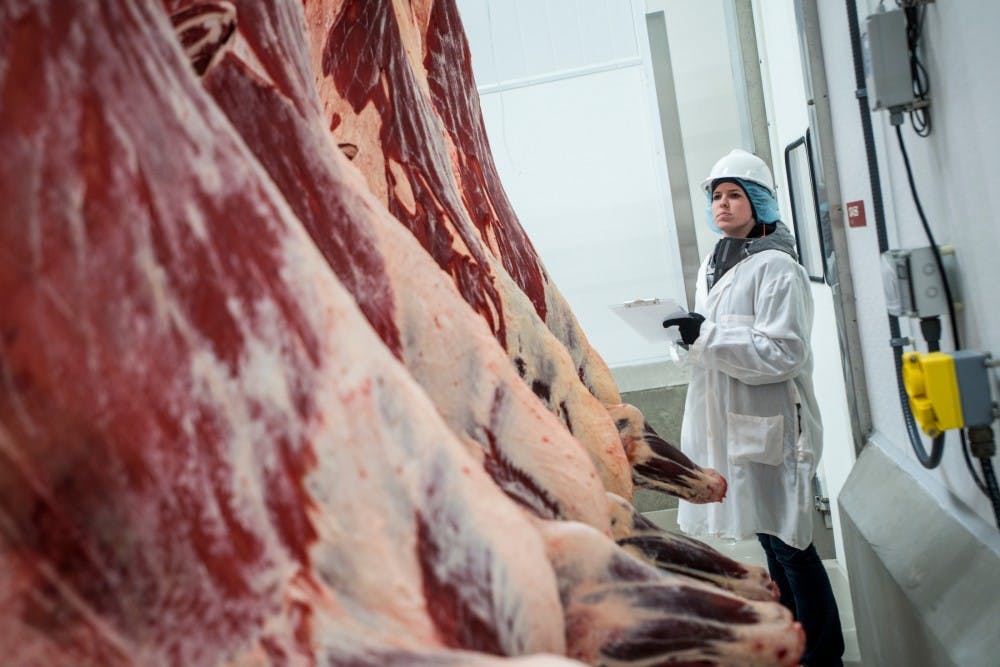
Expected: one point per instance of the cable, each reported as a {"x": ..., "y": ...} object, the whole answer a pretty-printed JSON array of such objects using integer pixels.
[
  {"x": 922, "y": 89},
  {"x": 953, "y": 321},
  {"x": 930, "y": 237},
  {"x": 931, "y": 329},
  {"x": 920, "y": 116},
  {"x": 914, "y": 12},
  {"x": 984, "y": 447},
  {"x": 875, "y": 183},
  {"x": 991, "y": 482},
  {"x": 983, "y": 486}
]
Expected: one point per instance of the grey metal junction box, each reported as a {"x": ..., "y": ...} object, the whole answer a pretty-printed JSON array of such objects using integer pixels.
[{"x": 887, "y": 61}]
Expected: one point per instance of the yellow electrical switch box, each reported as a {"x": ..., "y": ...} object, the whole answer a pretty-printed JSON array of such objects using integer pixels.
[{"x": 932, "y": 386}]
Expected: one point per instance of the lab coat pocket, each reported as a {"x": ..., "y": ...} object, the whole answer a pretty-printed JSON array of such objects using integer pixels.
[{"x": 754, "y": 439}]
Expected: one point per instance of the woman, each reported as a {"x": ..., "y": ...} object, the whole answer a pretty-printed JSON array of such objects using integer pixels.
[{"x": 750, "y": 412}]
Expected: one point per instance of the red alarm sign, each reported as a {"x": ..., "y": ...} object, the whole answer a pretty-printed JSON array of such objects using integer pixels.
[{"x": 856, "y": 213}]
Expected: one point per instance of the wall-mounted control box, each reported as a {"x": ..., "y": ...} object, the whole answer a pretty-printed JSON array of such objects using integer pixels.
[
  {"x": 887, "y": 61},
  {"x": 913, "y": 284}
]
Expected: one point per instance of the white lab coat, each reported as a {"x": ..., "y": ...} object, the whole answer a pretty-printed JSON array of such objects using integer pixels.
[{"x": 751, "y": 412}]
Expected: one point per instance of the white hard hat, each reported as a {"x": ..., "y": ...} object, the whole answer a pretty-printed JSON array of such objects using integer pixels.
[{"x": 739, "y": 163}]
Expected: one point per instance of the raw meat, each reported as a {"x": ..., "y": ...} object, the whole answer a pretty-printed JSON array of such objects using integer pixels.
[
  {"x": 656, "y": 464},
  {"x": 319, "y": 187},
  {"x": 425, "y": 199},
  {"x": 621, "y": 611},
  {"x": 207, "y": 456},
  {"x": 369, "y": 59},
  {"x": 452, "y": 91},
  {"x": 333, "y": 211},
  {"x": 447, "y": 61},
  {"x": 325, "y": 205},
  {"x": 680, "y": 554},
  {"x": 263, "y": 81}
]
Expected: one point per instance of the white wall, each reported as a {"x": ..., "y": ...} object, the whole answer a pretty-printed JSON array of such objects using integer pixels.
[
  {"x": 707, "y": 101},
  {"x": 566, "y": 92},
  {"x": 954, "y": 173}
]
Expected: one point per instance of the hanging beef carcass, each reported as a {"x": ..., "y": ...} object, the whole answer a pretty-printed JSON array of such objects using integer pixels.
[
  {"x": 206, "y": 454},
  {"x": 447, "y": 349},
  {"x": 209, "y": 457},
  {"x": 261, "y": 81},
  {"x": 313, "y": 184},
  {"x": 377, "y": 63}
]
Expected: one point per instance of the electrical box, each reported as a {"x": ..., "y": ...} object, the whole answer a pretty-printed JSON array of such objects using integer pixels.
[
  {"x": 935, "y": 398},
  {"x": 887, "y": 61},
  {"x": 974, "y": 386},
  {"x": 947, "y": 390},
  {"x": 913, "y": 284}
]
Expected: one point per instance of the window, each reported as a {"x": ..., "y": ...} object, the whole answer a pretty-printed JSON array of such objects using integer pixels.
[{"x": 809, "y": 239}]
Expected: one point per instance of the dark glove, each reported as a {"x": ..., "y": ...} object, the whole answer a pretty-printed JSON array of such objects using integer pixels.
[{"x": 689, "y": 326}]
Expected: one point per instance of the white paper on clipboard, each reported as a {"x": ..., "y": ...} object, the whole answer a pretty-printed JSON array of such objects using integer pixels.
[{"x": 646, "y": 316}]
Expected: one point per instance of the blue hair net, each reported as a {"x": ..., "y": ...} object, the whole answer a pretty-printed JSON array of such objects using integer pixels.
[{"x": 765, "y": 206}]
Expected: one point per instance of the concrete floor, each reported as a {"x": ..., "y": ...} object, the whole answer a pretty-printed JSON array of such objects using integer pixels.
[{"x": 663, "y": 408}]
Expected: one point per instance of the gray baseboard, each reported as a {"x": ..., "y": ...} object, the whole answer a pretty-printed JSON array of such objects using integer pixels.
[
  {"x": 663, "y": 408},
  {"x": 649, "y": 375},
  {"x": 924, "y": 569}
]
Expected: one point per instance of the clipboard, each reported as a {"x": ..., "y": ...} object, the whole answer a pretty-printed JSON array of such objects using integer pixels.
[{"x": 645, "y": 317}]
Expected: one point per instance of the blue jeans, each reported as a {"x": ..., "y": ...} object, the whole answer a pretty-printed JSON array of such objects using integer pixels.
[{"x": 805, "y": 589}]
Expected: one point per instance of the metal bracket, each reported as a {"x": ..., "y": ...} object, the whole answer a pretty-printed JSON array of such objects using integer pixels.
[{"x": 821, "y": 502}]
